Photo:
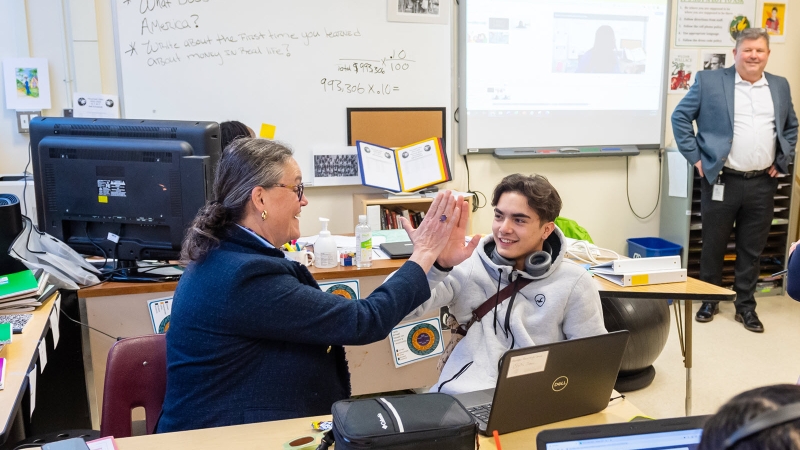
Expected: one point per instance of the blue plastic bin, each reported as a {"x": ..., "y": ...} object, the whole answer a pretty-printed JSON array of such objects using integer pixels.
[{"x": 652, "y": 246}]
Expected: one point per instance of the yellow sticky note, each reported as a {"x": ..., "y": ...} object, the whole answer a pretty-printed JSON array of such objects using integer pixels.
[
  {"x": 102, "y": 198},
  {"x": 267, "y": 131}
]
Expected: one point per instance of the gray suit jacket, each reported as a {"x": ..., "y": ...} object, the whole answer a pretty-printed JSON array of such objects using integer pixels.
[{"x": 709, "y": 102}]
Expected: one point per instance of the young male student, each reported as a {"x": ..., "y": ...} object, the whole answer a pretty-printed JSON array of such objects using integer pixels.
[{"x": 560, "y": 301}]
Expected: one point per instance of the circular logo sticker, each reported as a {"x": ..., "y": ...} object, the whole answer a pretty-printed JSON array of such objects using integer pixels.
[
  {"x": 423, "y": 339},
  {"x": 342, "y": 290},
  {"x": 164, "y": 325}
]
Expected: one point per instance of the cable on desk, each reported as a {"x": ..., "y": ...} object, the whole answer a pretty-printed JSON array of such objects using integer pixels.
[
  {"x": 622, "y": 396},
  {"x": 87, "y": 326},
  {"x": 628, "y": 192}
]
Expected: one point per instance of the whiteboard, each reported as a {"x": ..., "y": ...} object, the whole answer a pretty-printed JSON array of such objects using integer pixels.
[{"x": 295, "y": 64}]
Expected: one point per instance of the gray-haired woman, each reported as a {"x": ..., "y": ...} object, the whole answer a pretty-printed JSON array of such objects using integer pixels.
[{"x": 252, "y": 338}]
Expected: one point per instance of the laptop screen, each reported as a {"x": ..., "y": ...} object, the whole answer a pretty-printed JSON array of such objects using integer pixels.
[{"x": 673, "y": 440}]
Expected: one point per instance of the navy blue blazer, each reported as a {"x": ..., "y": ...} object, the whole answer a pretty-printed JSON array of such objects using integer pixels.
[
  {"x": 709, "y": 102},
  {"x": 250, "y": 333}
]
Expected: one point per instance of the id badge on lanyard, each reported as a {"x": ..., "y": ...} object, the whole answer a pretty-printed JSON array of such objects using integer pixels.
[{"x": 719, "y": 190}]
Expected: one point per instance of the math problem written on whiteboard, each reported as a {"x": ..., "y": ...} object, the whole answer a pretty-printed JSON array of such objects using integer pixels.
[{"x": 297, "y": 65}]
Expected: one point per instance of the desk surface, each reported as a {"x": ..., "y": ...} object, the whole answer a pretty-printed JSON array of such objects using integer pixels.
[
  {"x": 692, "y": 289},
  {"x": 275, "y": 434},
  {"x": 20, "y": 357},
  {"x": 381, "y": 267}
]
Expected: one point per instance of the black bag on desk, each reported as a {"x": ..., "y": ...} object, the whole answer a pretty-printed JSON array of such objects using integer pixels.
[{"x": 419, "y": 422}]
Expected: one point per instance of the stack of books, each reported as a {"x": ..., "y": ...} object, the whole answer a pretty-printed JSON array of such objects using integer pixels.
[
  {"x": 24, "y": 291},
  {"x": 642, "y": 271}
]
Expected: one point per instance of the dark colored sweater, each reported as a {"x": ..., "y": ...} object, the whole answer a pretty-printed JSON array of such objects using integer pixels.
[
  {"x": 250, "y": 333},
  {"x": 792, "y": 278}
]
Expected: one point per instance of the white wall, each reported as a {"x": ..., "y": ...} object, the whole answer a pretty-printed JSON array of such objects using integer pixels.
[{"x": 593, "y": 189}]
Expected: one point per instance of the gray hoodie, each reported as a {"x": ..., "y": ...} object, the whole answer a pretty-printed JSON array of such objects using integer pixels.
[{"x": 561, "y": 304}]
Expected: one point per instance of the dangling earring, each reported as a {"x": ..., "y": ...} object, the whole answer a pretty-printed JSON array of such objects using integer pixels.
[{"x": 264, "y": 215}]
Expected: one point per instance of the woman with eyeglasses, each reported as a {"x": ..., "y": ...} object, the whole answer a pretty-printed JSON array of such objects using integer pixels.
[{"x": 252, "y": 338}]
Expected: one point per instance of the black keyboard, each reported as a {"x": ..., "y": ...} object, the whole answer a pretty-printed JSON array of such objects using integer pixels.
[{"x": 481, "y": 411}]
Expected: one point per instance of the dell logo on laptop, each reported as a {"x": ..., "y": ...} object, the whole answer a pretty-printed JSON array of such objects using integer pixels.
[{"x": 560, "y": 383}]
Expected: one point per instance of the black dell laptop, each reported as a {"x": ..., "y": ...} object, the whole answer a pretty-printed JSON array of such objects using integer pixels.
[{"x": 549, "y": 383}]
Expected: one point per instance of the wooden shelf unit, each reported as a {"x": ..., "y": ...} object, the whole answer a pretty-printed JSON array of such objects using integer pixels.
[{"x": 417, "y": 204}]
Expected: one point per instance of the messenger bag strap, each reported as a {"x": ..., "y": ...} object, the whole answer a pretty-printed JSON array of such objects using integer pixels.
[{"x": 492, "y": 301}]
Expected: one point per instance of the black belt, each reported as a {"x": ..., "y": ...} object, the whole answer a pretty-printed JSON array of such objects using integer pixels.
[{"x": 745, "y": 175}]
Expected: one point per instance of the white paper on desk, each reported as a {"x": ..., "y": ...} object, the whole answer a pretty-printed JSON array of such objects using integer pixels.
[
  {"x": 378, "y": 167},
  {"x": 54, "y": 327},
  {"x": 377, "y": 253},
  {"x": 32, "y": 387},
  {"x": 42, "y": 354},
  {"x": 106, "y": 443},
  {"x": 678, "y": 174},
  {"x": 160, "y": 312},
  {"x": 335, "y": 165},
  {"x": 415, "y": 341}
]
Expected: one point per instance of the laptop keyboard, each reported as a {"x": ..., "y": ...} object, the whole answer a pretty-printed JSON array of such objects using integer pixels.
[{"x": 481, "y": 412}]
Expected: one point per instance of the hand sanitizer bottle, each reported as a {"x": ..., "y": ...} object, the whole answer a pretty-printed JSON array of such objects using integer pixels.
[
  {"x": 363, "y": 243},
  {"x": 325, "y": 253}
]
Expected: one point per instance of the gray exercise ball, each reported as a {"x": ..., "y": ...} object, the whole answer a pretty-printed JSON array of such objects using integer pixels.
[{"x": 648, "y": 322}]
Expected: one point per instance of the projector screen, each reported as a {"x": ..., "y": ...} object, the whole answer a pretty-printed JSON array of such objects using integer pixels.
[{"x": 539, "y": 73}]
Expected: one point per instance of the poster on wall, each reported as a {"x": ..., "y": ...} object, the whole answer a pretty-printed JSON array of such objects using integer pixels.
[
  {"x": 682, "y": 67},
  {"x": 710, "y": 23},
  {"x": 26, "y": 83},
  {"x": 773, "y": 19}
]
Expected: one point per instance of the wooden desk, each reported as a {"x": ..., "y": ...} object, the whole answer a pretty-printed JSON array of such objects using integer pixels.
[
  {"x": 21, "y": 356},
  {"x": 120, "y": 309},
  {"x": 275, "y": 434},
  {"x": 692, "y": 289}
]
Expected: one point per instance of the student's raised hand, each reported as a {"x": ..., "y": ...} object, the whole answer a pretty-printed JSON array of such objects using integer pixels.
[
  {"x": 456, "y": 250},
  {"x": 434, "y": 232}
]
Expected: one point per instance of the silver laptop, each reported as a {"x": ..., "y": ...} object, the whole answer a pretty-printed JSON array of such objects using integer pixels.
[
  {"x": 548, "y": 383},
  {"x": 396, "y": 250},
  {"x": 681, "y": 432}
]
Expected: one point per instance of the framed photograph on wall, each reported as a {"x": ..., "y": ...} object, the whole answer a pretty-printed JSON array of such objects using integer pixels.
[{"x": 418, "y": 11}]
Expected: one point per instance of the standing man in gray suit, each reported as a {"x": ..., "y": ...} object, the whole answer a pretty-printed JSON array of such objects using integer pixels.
[{"x": 746, "y": 136}]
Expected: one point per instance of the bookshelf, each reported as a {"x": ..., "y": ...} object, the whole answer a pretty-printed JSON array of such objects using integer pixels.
[{"x": 411, "y": 204}]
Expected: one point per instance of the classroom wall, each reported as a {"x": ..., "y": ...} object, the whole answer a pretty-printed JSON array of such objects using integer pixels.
[{"x": 593, "y": 190}]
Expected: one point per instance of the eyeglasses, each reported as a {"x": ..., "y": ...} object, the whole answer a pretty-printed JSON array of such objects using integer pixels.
[{"x": 297, "y": 188}]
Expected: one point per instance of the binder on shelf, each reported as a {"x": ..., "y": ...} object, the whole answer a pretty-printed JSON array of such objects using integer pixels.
[
  {"x": 624, "y": 266},
  {"x": 404, "y": 169},
  {"x": 642, "y": 278}
]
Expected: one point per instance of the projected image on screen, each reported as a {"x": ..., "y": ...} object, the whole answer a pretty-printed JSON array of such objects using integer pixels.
[
  {"x": 586, "y": 43},
  {"x": 537, "y": 73}
]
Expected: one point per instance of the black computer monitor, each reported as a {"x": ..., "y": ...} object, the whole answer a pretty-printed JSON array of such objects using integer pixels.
[{"x": 122, "y": 188}]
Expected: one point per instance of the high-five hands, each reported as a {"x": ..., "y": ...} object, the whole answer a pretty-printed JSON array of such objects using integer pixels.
[{"x": 442, "y": 233}]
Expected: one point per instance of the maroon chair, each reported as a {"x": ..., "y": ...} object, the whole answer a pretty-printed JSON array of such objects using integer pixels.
[{"x": 136, "y": 376}]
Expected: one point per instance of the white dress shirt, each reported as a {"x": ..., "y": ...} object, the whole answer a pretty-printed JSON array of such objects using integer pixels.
[{"x": 753, "y": 146}]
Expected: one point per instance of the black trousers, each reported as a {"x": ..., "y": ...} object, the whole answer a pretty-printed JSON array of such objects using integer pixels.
[{"x": 748, "y": 203}]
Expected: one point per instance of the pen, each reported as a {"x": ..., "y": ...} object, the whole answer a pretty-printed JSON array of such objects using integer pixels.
[
  {"x": 777, "y": 274},
  {"x": 497, "y": 440}
]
